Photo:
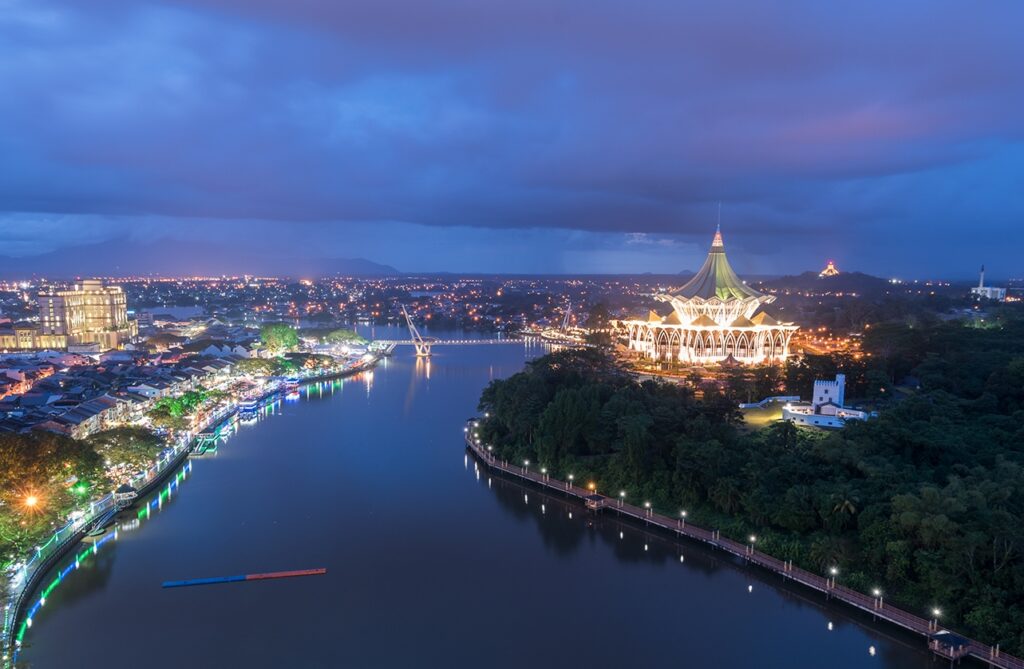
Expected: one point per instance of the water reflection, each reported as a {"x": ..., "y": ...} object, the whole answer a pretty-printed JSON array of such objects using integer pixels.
[
  {"x": 422, "y": 551},
  {"x": 95, "y": 555},
  {"x": 572, "y": 528}
]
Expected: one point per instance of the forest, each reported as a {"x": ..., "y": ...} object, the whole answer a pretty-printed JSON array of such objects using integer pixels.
[{"x": 925, "y": 502}]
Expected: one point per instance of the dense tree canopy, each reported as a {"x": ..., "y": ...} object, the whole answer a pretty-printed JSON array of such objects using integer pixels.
[
  {"x": 926, "y": 502},
  {"x": 42, "y": 475},
  {"x": 279, "y": 337}
]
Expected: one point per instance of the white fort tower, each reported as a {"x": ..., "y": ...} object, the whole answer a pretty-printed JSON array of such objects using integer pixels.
[{"x": 715, "y": 317}]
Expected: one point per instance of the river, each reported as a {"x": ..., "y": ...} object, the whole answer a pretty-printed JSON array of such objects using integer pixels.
[{"x": 430, "y": 563}]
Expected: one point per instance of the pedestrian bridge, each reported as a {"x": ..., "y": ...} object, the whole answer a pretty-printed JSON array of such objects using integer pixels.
[
  {"x": 424, "y": 344},
  {"x": 446, "y": 342}
]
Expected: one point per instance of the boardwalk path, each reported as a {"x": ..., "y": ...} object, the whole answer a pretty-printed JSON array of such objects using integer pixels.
[{"x": 679, "y": 526}]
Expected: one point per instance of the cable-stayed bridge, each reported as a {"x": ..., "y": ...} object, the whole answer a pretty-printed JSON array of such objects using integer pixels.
[{"x": 423, "y": 343}]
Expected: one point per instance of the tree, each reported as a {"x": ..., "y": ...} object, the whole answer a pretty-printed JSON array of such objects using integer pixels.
[
  {"x": 134, "y": 446},
  {"x": 256, "y": 366},
  {"x": 344, "y": 336},
  {"x": 279, "y": 337}
]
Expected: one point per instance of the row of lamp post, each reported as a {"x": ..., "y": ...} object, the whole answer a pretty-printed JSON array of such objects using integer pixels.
[{"x": 878, "y": 600}]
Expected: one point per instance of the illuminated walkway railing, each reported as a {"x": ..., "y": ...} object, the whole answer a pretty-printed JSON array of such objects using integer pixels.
[
  {"x": 24, "y": 579},
  {"x": 992, "y": 655}
]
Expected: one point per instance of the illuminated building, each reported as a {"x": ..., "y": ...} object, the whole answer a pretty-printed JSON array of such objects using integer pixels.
[
  {"x": 715, "y": 317},
  {"x": 827, "y": 407},
  {"x": 830, "y": 270},
  {"x": 990, "y": 292},
  {"x": 89, "y": 312}
]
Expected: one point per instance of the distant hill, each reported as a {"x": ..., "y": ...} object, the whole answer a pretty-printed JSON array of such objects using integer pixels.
[
  {"x": 125, "y": 257},
  {"x": 847, "y": 282}
]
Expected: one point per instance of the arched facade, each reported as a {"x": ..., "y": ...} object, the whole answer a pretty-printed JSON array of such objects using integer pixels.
[{"x": 714, "y": 317}]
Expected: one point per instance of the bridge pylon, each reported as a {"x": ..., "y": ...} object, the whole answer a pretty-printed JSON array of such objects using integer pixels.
[{"x": 421, "y": 343}]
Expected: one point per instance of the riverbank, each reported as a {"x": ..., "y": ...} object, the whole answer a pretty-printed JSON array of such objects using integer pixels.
[
  {"x": 28, "y": 577},
  {"x": 942, "y": 642}
]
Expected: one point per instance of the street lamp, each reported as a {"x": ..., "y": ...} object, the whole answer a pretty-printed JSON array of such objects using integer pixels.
[
  {"x": 622, "y": 497},
  {"x": 834, "y": 571},
  {"x": 592, "y": 486},
  {"x": 544, "y": 472},
  {"x": 753, "y": 540},
  {"x": 31, "y": 501},
  {"x": 878, "y": 597},
  {"x": 647, "y": 505},
  {"x": 682, "y": 519},
  {"x": 571, "y": 477},
  {"x": 935, "y": 623}
]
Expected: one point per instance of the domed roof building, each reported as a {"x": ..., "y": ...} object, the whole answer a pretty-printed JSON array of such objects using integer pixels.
[{"x": 715, "y": 317}]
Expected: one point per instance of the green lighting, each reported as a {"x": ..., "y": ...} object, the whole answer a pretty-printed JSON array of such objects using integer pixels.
[{"x": 49, "y": 588}]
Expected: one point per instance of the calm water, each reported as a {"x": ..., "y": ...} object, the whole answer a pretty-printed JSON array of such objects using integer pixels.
[{"x": 429, "y": 563}]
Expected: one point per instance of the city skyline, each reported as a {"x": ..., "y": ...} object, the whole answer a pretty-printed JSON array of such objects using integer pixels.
[{"x": 518, "y": 139}]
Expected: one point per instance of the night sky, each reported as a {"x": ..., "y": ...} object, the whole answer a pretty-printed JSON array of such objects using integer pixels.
[{"x": 522, "y": 136}]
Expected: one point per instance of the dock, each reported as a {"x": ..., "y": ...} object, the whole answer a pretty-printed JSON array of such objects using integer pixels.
[{"x": 942, "y": 642}]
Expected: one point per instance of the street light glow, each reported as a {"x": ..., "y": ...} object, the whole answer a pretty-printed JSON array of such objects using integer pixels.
[{"x": 31, "y": 501}]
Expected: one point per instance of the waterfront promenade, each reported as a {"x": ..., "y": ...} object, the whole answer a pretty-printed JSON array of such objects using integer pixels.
[
  {"x": 680, "y": 527},
  {"x": 28, "y": 576}
]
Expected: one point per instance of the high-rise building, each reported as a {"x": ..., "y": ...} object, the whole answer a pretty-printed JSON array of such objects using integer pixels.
[{"x": 89, "y": 312}]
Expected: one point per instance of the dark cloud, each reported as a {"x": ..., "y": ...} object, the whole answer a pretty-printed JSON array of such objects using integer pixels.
[{"x": 801, "y": 117}]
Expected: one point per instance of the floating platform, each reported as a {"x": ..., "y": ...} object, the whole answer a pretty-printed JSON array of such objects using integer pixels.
[{"x": 245, "y": 577}]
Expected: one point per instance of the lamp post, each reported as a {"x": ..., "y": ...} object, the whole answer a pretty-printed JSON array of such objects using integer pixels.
[
  {"x": 569, "y": 482},
  {"x": 753, "y": 540},
  {"x": 682, "y": 519},
  {"x": 622, "y": 497},
  {"x": 877, "y": 593},
  {"x": 647, "y": 506},
  {"x": 526, "y": 466},
  {"x": 935, "y": 621},
  {"x": 544, "y": 472},
  {"x": 833, "y": 572}
]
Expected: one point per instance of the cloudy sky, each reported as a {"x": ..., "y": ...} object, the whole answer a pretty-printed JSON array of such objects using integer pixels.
[{"x": 517, "y": 136}]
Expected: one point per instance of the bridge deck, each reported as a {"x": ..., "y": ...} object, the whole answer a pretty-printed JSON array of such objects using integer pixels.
[
  {"x": 682, "y": 528},
  {"x": 445, "y": 342}
]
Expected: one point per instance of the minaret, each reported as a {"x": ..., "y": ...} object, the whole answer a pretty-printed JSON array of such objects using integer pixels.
[{"x": 981, "y": 280}]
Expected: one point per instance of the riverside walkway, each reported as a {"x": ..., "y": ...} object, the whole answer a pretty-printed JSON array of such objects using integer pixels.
[
  {"x": 27, "y": 577},
  {"x": 876, "y": 606}
]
